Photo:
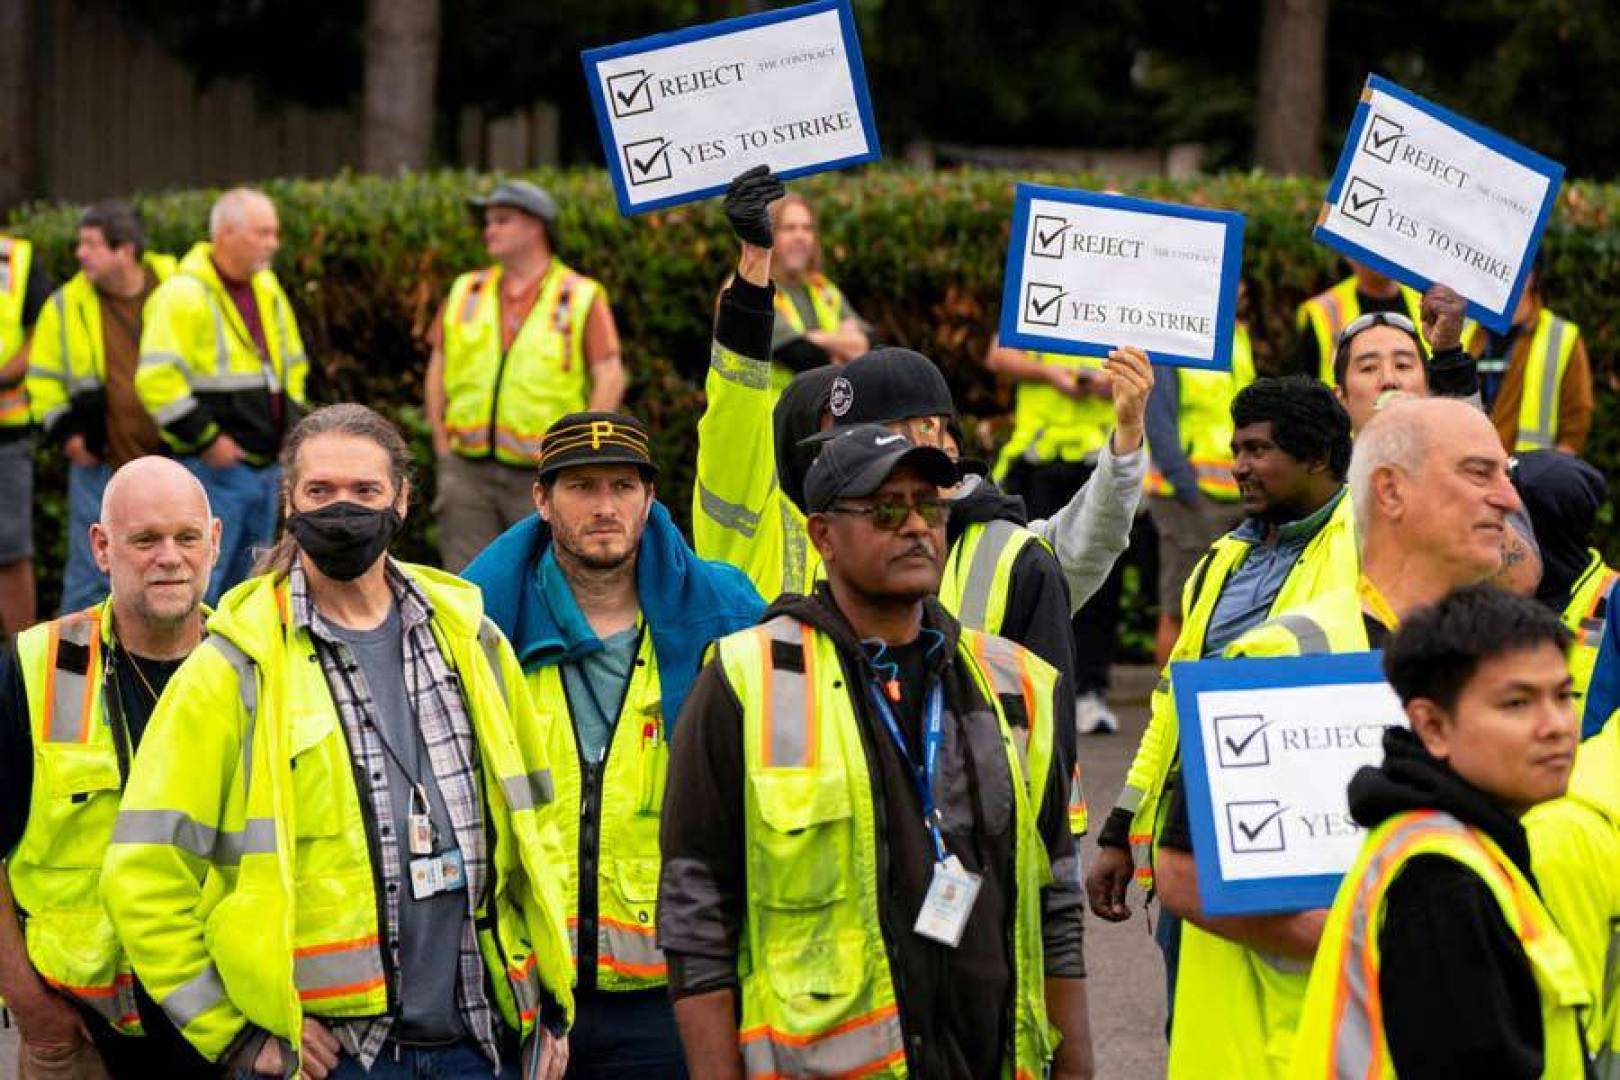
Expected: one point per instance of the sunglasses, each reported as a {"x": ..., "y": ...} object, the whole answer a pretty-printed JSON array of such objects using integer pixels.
[
  {"x": 889, "y": 514},
  {"x": 1377, "y": 318}
]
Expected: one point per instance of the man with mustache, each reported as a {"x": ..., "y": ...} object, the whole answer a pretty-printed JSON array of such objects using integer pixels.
[
  {"x": 75, "y": 698},
  {"x": 1429, "y": 484},
  {"x": 854, "y": 871}
]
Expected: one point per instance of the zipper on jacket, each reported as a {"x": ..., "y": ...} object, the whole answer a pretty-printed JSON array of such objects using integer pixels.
[{"x": 378, "y": 889}]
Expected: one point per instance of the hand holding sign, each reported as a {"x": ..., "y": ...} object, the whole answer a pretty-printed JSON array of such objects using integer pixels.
[
  {"x": 1444, "y": 312},
  {"x": 748, "y": 205}
]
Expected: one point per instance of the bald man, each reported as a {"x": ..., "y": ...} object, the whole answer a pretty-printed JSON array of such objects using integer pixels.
[
  {"x": 1429, "y": 483},
  {"x": 75, "y": 696}
]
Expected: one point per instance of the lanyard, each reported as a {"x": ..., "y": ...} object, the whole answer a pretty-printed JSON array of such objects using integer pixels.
[{"x": 922, "y": 778}]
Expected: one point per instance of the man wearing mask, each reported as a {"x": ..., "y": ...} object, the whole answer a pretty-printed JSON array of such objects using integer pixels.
[
  {"x": 610, "y": 613},
  {"x": 350, "y": 875}
]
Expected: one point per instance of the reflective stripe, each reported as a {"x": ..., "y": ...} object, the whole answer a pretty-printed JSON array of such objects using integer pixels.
[
  {"x": 789, "y": 727},
  {"x": 1542, "y": 437},
  {"x": 525, "y": 983},
  {"x": 1308, "y": 635},
  {"x": 1130, "y": 799},
  {"x": 247, "y": 687},
  {"x": 70, "y": 694},
  {"x": 165, "y": 359},
  {"x": 228, "y": 382},
  {"x": 114, "y": 1002},
  {"x": 173, "y": 411},
  {"x": 795, "y": 548},
  {"x": 193, "y": 998},
  {"x": 629, "y": 949},
  {"x": 222, "y": 348},
  {"x": 529, "y": 791},
  {"x": 727, "y": 515},
  {"x": 519, "y": 445},
  {"x": 489, "y": 637},
  {"x": 981, "y": 575},
  {"x": 175, "y": 828},
  {"x": 337, "y": 968},
  {"x": 740, "y": 369},
  {"x": 859, "y": 1047}
]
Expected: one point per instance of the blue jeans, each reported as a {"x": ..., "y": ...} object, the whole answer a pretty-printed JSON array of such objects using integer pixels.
[
  {"x": 1167, "y": 933},
  {"x": 458, "y": 1061},
  {"x": 83, "y": 583},
  {"x": 625, "y": 1035},
  {"x": 246, "y": 499}
]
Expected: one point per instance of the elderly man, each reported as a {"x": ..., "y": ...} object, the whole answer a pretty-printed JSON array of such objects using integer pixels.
[
  {"x": 75, "y": 698},
  {"x": 222, "y": 373},
  {"x": 517, "y": 346},
  {"x": 1430, "y": 488},
  {"x": 854, "y": 871}
]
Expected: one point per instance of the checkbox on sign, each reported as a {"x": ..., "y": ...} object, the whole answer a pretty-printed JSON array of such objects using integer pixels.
[
  {"x": 1048, "y": 237},
  {"x": 647, "y": 161},
  {"x": 1255, "y": 826},
  {"x": 630, "y": 93},
  {"x": 1383, "y": 138},
  {"x": 1240, "y": 742},
  {"x": 1043, "y": 303},
  {"x": 1360, "y": 202}
]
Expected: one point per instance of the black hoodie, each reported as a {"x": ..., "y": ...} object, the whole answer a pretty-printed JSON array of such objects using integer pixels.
[
  {"x": 945, "y": 994},
  {"x": 1459, "y": 998}
]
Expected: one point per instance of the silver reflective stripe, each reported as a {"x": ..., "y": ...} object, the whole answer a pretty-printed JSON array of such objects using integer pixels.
[
  {"x": 628, "y": 951},
  {"x": 46, "y": 374},
  {"x": 791, "y": 727},
  {"x": 247, "y": 686},
  {"x": 727, "y": 515},
  {"x": 1547, "y": 416},
  {"x": 1288, "y": 965},
  {"x": 1308, "y": 635},
  {"x": 60, "y": 300},
  {"x": 191, "y": 999},
  {"x": 858, "y": 1050},
  {"x": 982, "y": 572},
  {"x": 69, "y": 689},
  {"x": 1006, "y": 674},
  {"x": 55, "y": 416},
  {"x": 349, "y": 969},
  {"x": 258, "y": 837},
  {"x": 1130, "y": 799},
  {"x": 489, "y": 637},
  {"x": 228, "y": 382},
  {"x": 222, "y": 348},
  {"x": 529, "y": 791},
  {"x": 175, "y": 828},
  {"x": 165, "y": 359},
  {"x": 740, "y": 369},
  {"x": 173, "y": 411}
]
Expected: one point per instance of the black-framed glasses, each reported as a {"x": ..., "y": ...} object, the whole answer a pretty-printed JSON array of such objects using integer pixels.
[
  {"x": 890, "y": 514},
  {"x": 1377, "y": 318}
]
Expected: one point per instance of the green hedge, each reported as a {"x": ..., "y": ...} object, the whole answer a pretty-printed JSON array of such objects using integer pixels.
[{"x": 367, "y": 261}]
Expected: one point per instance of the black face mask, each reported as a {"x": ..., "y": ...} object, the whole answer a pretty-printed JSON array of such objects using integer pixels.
[{"x": 344, "y": 539}]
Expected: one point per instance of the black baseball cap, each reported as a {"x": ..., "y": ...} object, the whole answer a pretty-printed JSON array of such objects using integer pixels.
[
  {"x": 860, "y": 459},
  {"x": 595, "y": 438},
  {"x": 888, "y": 384}
]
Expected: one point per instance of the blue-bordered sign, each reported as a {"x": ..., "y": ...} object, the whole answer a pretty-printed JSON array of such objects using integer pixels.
[
  {"x": 1267, "y": 750},
  {"x": 1423, "y": 195},
  {"x": 1088, "y": 272},
  {"x": 682, "y": 113}
]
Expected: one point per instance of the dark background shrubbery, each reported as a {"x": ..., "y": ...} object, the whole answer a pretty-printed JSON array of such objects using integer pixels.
[{"x": 367, "y": 261}]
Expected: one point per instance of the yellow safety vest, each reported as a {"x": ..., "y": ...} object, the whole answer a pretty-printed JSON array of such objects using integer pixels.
[
  {"x": 16, "y": 260},
  {"x": 1329, "y": 312},
  {"x": 79, "y": 763},
  {"x": 1205, "y": 422},
  {"x": 1551, "y": 345},
  {"x": 1585, "y": 616},
  {"x": 818, "y": 997},
  {"x": 501, "y": 403},
  {"x": 196, "y": 348},
  {"x": 1237, "y": 1009},
  {"x": 242, "y": 883},
  {"x": 1342, "y": 1028},
  {"x": 1575, "y": 846},
  {"x": 1331, "y": 562},
  {"x": 825, "y": 300},
  {"x": 1050, "y": 426},
  {"x": 625, "y": 843},
  {"x": 69, "y": 357}
]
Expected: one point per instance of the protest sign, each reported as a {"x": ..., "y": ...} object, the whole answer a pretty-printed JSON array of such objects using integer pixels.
[
  {"x": 682, "y": 113},
  {"x": 1087, "y": 273},
  {"x": 1267, "y": 750},
  {"x": 1424, "y": 195}
]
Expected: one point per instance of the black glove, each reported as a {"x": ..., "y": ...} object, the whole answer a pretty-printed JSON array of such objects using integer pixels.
[{"x": 748, "y": 205}]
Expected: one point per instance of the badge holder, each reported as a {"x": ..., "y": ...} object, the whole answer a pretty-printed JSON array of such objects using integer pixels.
[{"x": 431, "y": 874}]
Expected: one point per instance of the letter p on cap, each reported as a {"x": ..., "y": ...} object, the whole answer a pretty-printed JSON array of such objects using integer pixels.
[{"x": 600, "y": 429}]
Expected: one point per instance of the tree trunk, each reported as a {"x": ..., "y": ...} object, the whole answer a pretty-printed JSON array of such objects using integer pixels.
[
  {"x": 19, "y": 99},
  {"x": 402, "y": 65},
  {"x": 1293, "y": 78}
]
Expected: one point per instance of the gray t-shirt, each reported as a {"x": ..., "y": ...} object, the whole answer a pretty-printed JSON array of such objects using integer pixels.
[
  {"x": 429, "y": 929},
  {"x": 596, "y": 686}
]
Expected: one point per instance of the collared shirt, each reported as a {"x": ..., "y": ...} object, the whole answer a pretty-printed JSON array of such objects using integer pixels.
[
  {"x": 1246, "y": 598},
  {"x": 453, "y": 754}
]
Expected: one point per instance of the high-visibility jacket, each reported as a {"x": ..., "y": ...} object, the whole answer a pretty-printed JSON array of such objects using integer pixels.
[
  {"x": 1586, "y": 614},
  {"x": 16, "y": 260},
  {"x": 1331, "y": 562},
  {"x": 81, "y": 753},
  {"x": 818, "y": 995},
  {"x": 828, "y": 305},
  {"x": 1329, "y": 312},
  {"x": 1575, "y": 847},
  {"x": 1049, "y": 426},
  {"x": 500, "y": 402},
  {"x": 198, "y": 354},
  {"x": 1237, "y": 1009},
  {"x": 69, "y": 359},
  {"x": 239, "y": 876},
  {"x": 1342, "y": 1029},
  {"x": 1552, "y": 342},
  {"x": 1205, "y": 422},
  {"x": 614, "y": 828}
]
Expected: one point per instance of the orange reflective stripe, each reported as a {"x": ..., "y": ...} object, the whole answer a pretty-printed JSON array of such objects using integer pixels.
[
  {"x": 633, "y": 949},
  {"x": 336, "y": 968},
  {"x": 860, "y": 1046}
]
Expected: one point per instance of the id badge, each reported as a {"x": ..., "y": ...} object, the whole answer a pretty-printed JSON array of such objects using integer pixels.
[
  {"x": 452, "y": 871},
  {"x": 949, "y": 902},
  {"x": 419, "y": 833},
  {"x": 427, "y": 878}
]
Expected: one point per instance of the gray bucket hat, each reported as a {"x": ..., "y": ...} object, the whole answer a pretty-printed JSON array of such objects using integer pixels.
[{"x": 520, "y": 195}]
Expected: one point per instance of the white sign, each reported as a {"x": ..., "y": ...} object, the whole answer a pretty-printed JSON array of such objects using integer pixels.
[
  {"x": 1088, "y": 272},
  {"x": 682, "y": 113},
  {"x": 1427, "y": 196}
]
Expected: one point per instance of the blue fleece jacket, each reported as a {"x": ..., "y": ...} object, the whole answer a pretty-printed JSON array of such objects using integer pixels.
[{"x": 687, "y": 602}]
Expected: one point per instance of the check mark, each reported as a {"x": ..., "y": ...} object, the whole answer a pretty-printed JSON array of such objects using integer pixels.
[
  {"x": 1049, "y": 234},
  {"x": 1382, "y": 135},
  {"x": 1250, "y": 833},
  {"x": 647, "y": 160},
  {"x": 1042, "y": 303},
  {"x": 1361, "y": 201},
  {"x": 631, "y": 93},
  {"x": 1237, "y": 746}
]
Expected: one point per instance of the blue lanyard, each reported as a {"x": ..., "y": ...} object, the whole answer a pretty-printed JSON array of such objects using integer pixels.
[{"x": 922, "y": 778}]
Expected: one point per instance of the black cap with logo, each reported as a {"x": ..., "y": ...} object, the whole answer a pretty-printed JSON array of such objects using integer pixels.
[
  {"x": 595, "y": 438},
  {"x": 889, "y": 384},
  {"x": 858, "y": 460}
]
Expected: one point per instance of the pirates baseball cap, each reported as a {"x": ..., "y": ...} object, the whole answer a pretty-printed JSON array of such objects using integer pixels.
[
  {"x": 595, "y": 438},
  {"x": 888, "y": 384},
  {"x": 520, "y": 195},
  {"x": 859, "y": 459}
]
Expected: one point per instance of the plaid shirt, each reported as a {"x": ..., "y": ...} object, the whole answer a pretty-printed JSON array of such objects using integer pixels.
[{"x": 453, "y": 752}]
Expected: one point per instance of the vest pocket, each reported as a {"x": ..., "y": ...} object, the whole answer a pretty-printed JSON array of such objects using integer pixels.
[
  {"x": 81, "y": 786},
  {"x": 316, "y": 778},
  {"x": 800, "y": 859}
]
